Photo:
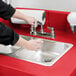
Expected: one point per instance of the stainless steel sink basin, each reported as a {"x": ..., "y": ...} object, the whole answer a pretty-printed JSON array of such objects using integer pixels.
[{"x": 50, "y": 52}]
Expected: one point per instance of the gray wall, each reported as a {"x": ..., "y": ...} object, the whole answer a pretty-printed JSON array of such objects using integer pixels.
[{"x": 64, "y": 5}]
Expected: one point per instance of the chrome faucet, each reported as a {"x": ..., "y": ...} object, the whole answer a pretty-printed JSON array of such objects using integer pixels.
[
  {"x": 41, "y": 32},
  {"x": 52, "y": 33},
  {"x": 33, "y": 30}
]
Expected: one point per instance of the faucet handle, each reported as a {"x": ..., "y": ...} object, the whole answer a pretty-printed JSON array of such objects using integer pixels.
[{"x": 52, "y": 32}]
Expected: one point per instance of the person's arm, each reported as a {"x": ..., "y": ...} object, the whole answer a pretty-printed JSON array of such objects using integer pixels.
[
  {"x": 31, "y": 44},
  {"x": 7, "y": 35},
  {"x": 10, "y": 37},
  {"x": 28, "y": 19},
  {"x": 7, "y": 11}
]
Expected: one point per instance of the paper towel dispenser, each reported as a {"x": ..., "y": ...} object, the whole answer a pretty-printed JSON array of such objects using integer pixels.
[{"x": 38, "y": 14}]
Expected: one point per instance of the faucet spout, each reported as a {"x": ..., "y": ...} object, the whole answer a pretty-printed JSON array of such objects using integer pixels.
[{"x": 33, "y": 30}]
